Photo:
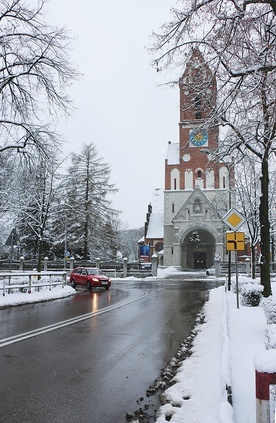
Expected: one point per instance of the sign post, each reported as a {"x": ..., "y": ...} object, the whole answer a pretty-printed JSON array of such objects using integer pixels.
[
  {"x": 234, "y": 241},
  {"x": 217, "y": 264}
]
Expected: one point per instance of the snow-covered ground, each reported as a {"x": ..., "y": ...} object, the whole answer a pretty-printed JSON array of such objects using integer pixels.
[
  {"x": 44, "y": 294},
  {"x": 227, "y": 348}
]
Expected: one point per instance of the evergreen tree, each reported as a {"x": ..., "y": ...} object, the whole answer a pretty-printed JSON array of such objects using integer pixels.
[{"x": 89, "y": 214}]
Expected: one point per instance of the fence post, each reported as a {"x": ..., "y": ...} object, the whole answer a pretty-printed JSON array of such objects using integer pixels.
[
  {"x": 98, "y": 260},
  {"x": 45, "y": 264},
  {"x": 71, "y": 260},
  {"x": 265, "y": 366},
  {"x": 50, "y": 287},
  {"x": 154, "y": 264},
  {"x": 64, "y": 276},
  {"x": 21, "y": 265},
  {"x": 30, "y": 285},
  {"x": 125, "y": 268}
]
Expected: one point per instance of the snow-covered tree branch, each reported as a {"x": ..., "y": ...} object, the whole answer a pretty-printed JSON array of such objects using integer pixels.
[{"x": 34, "y": 73}]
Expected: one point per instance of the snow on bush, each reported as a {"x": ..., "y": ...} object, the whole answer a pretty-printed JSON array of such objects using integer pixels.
[
  {"x": 251, "y": 294},
  {"x": 243, "y": 280},
  {"x": 271, "y": 337},
  {"x": 269, "y": 306}
]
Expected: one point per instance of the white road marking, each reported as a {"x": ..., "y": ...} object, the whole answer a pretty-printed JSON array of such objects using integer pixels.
[{"x": 26, "y": 335}]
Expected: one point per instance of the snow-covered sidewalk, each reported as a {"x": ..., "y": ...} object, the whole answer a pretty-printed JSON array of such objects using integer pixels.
[
  {"x": 199, "y": 392},
  {"x": 223, "y": 356},
  {"x": 247, "y": 329}
]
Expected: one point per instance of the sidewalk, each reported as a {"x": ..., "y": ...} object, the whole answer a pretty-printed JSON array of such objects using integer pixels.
[
  {"x": 247, "y": 334},
  {"x": 223, "y": 355}
]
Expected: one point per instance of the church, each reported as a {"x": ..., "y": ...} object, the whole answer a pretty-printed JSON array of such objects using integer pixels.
[{"x": 199, "y": 188}]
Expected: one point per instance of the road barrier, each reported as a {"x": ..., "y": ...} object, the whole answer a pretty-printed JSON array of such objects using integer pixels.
[
  {"x": 265, "y": 366},
  {"x": 34, "y": 281}
]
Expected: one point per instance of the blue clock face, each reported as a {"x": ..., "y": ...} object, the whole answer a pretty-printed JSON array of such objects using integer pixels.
[{"x": 198, "y": 137}]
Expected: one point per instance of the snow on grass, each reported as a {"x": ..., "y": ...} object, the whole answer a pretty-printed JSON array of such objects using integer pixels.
[{"x": 44, "y": 294}]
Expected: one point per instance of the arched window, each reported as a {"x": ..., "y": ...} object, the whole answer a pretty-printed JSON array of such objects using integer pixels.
[
  {"x": 175, "y": 179},
  {"x": 199, "y": 174},
  {"x": 198, "y": 107}
]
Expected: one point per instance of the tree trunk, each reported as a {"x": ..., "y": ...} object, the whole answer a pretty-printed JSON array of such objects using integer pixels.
[
  {"x": 39, "y": 255},
  {"x": 86, "y": 223},
  {"x": 265, "y": 232},
  {"x": 253, "y": 261}
]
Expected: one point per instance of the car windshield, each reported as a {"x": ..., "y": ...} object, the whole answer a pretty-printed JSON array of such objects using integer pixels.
[{"x": 93, "y": 271}]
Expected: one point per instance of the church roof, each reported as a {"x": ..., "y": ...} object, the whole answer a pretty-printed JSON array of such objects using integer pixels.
[
  {"x": 156, "y": 220},
  {"x": 195, "y": 59},
  {"x": 157, "y": 200},
  {"x": 172, "y": 153},
  {"x": 156, "y": 226}
]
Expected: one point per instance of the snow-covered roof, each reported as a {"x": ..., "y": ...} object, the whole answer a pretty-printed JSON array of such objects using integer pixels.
[
  {"x": 156, "y": 217},
  {"x": 156, "y": 226},
  {"x": 157, "y": 200},
  {"x": 173, "y": 153}
]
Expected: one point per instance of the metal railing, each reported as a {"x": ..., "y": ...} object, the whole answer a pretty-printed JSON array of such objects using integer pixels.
[{"x": 33, "y": 281}]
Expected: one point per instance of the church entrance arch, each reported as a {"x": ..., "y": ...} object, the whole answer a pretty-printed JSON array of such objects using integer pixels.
[{"x": 198, "y": 248}]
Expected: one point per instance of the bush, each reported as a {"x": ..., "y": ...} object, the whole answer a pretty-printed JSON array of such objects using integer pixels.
[
  {"x": 271, "y": 337},
  {"x": 241, "y": 282},
  {"x": 251, "y": 294},
  {"x": 269, "y": 306}
]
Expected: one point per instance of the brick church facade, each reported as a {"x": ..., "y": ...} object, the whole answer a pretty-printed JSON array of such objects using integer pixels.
[{"x": 197, "y": 185}]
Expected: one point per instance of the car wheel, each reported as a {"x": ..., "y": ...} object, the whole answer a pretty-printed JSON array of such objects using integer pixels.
[
  {"x": 88, "y": 284},
  {"x": 107, "y": 287},
  {"x": 207, "y": 273},
  {"x": 73, "y": 284}
]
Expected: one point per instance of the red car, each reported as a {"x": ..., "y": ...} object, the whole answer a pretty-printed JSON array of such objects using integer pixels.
[{"x": 90, "y": 277}]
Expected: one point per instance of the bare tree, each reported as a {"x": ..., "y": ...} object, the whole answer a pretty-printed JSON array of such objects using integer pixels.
[
  {"x": 33, "y": 203},
  {"x": 237, "y": 38},
  {"x": 34, "y": 71},
  {"x": 248, "y": 198},
  {"x": 128, "y": 242}
]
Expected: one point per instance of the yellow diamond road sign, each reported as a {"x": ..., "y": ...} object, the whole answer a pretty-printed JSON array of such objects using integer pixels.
[{"x": 234, "y": 219}]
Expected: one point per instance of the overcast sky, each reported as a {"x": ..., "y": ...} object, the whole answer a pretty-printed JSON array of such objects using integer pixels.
[{"x": 121, "y": 107}]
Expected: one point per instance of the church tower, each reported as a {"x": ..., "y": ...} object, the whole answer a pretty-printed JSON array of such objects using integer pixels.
[{"x": 197, "y": 185}]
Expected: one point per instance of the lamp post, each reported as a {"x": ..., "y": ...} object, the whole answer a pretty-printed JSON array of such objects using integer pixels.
[{"x": 213, "y": 157}]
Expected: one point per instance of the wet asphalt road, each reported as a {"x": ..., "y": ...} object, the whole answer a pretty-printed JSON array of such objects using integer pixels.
[{"x": 96, "y": 369}]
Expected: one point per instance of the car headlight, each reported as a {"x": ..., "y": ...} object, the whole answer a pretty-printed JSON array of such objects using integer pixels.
[{"x": 95, "y": 280}]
